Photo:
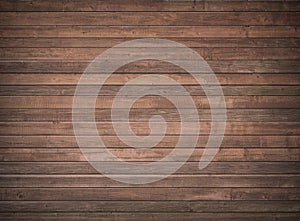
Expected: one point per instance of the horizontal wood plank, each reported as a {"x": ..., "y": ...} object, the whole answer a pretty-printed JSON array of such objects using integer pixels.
[
  {"x": 95, "y": 42},
  {"x": 150, "y": 31},
  {"x": 244, "y": 141},
  {"x": 151, "y": 216},
  {"x": 123, "y": 53},
  {"x": 190, "y": 168},
  {"x": 251, "y": 66},
  {"x": 156, "y": 154},
  {"x": 146, "y": 206},
  {"x": 150, "y": 194},
  {"x": 136, "y": 115},
  {"x": 142, "y": 128},
  {"x": 150, "y": 18},
  {"x": 148, "y": 102},
  {"x": 195, "y": 180},
  {"x": 144, "y": 5},
  {"x": 121, "y": 79},
  {"x": 69, "y": 90}
]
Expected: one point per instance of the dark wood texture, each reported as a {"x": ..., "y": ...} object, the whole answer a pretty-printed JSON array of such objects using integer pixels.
[{"x": 252, "y": 46}]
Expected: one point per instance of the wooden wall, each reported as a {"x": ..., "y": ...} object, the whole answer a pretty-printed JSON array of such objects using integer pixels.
[{"x": 253, "y": 47}]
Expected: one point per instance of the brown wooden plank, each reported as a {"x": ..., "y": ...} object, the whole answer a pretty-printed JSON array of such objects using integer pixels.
[
  {"x": 195, "y": 180},
  {"x": 150, "y": 32},
  {"x": 146, "y": 206},
  {"x": 146, "y": 5},
  {"x": 91, "y": 53},
  {"x": 67, "y": 90},
  {"x": 150, "y": 194},
  {"x": 149, "y": 102},
  {"x": 257, "y": 66},
  {"x": 121, "y": 79},
  {"x": 244, "y": 141},
  {"x": 244, "y": 194},
  {"x": 171, "y": 115},
  {"x": 142, "y": 128},
  {"x": 156, "y": 154},
  {"x": 110, "y": 42},
  {"x": 150, "y": 18},
  {"x": 190, "y": 168},
  {"x": 151, "y": 216}
]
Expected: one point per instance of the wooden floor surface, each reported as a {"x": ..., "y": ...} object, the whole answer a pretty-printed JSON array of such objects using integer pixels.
[{"x": 252, "y": 46}]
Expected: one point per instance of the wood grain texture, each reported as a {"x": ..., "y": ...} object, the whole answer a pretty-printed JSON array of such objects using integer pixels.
[
  {"x": 249, "y": 67},
  {"x": 148, "y": 102},
  {"x": 195, "y": 90},
  {"x": 95, "y": 42},
  {"x": 150, "y": 193},
  {"x": 142, "y": 128},
  {"x": 189, "y": 168},
  {"x": 150, "y": 31},
  {"x": 144, "y": 5},
  {"x": 228, "y": 141},
  {"x": 136, "y": 115},
  {"x": 153, "y": 216},
  {"x": 252, "y": 46},
  {"x": 150, "y": 18},
  {"x": 146, "y": 206},
  {"x": 122, "y": 78},
  {"x": 130, "y": 154},
  {"x": 178, "y": 180},
  {"x": 91, "y": 53}
]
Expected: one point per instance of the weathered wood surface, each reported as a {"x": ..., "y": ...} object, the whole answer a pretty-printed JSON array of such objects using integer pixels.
[
  {"x": 142, "y": 128},
  {"x": 178, "y": 180},
  {"x": 170, "y": 115},
  {"x": 150, "y": 31},
  {"x": 150, "y": 18},
  {"x": 98, "y": 42},
  {"x": 150, "y": 217},
  {"x": 250, "y": 67},
  {"x": 252, "y": 46},
  {"x": 145, "y": 5},
  {"x": 263, "y": 141},
  {"x": 130, "y": 154}
]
